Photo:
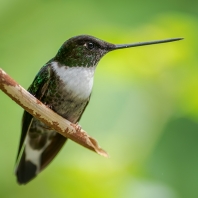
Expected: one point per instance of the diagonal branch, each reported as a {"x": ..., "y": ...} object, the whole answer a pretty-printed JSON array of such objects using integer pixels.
[{"x": 46, "y": 115}]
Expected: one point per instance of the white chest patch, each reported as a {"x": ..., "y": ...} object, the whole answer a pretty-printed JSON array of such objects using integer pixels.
[{"x": 78, "y": 80}]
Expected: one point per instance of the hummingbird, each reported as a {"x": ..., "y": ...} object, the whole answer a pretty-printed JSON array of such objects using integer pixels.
[{"x": 64, "y": 84}]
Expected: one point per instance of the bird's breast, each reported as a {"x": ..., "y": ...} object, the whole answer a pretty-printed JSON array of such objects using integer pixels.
[{"x": 78, "y": 81}]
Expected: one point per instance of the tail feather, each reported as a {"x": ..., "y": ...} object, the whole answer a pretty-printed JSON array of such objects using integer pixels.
[
  {"x": 26, "y": 170},
  {"x": 33, "y": 161}
]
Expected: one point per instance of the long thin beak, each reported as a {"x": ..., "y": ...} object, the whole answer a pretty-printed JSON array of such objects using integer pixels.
[{"x": 121, "y": 46}]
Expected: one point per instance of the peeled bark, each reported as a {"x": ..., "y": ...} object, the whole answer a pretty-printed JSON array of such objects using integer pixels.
[{"x": 46, "y": 115}]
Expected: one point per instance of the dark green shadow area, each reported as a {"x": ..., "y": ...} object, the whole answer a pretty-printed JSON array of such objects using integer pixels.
[{"x": 175, "y": 158}]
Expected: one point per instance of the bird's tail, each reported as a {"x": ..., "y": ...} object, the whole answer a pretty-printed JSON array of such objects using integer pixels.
[{"x": 32, "y": 161}]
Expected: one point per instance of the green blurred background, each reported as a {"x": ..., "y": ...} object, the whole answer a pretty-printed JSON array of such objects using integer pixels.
[{"x": 144, "y": 106}]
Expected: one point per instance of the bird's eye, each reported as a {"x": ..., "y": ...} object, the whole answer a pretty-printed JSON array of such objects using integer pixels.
[{"x": 90, "y": 45}]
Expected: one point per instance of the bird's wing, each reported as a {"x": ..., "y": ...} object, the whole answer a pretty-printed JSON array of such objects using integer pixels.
[{"x": 37, "y": 89}]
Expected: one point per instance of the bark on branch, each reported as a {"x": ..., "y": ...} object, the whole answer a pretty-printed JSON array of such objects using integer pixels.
[{"x": 46, "y": 115}]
